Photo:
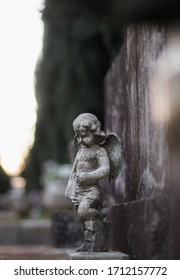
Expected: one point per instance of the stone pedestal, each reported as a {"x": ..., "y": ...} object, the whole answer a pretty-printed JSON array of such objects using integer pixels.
[{"x": 96, "y": 256}]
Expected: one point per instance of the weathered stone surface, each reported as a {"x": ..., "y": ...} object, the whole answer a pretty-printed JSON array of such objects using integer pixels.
[
  {"x": 128, "y": 113},
  {"x": 97, "y": 256},
  {"x": 116, "y": 120},
  {"x": 143, "y": 229},
  {"x": 148, "y": 149},
  {"x": 99, "y": 156}
]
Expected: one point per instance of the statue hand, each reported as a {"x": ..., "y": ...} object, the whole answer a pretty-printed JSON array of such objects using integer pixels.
[{"x": 82, "y": 177}]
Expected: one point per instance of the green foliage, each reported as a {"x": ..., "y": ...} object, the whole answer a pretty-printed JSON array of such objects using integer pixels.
[{"x": 77, "y": 52}]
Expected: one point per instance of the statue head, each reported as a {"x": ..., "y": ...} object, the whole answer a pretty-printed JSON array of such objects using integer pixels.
[{"x": 88, "y": 124}]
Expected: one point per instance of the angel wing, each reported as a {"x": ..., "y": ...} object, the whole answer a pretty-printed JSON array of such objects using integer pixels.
[{"x": 115, "y": 153}]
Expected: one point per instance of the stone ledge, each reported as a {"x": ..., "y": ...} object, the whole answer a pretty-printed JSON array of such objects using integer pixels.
[
  {"x": 143, "y": 228},
  {"x": 96, "y": 256},
  {"x": 30, "y": 231}
]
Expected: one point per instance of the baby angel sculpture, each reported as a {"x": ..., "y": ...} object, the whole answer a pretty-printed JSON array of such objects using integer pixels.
[{"x": 98, "y": 156}]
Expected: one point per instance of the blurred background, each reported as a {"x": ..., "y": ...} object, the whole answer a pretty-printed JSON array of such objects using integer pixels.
[{"x": 53, "y": 63}]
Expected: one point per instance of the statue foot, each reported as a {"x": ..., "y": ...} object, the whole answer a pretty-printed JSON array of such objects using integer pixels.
[
  {"x": 85, "y": 247},
  {"x": 81, "y": 249}
]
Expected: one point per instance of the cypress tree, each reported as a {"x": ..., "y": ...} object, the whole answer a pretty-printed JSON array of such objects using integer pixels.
[{"x": 78, "y": 48}]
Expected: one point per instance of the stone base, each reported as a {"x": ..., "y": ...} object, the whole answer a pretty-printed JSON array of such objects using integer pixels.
[
  {"x": 146, "y": 231},
  {"x": 96, "y": 256},
  {"x": 27, "y": 231}
]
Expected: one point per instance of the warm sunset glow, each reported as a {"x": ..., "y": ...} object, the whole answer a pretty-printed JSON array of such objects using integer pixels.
[{"x": 21, "y": 32}]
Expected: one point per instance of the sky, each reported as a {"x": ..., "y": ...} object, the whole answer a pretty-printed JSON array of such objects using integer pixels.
[{"x": 21, "y": 32}]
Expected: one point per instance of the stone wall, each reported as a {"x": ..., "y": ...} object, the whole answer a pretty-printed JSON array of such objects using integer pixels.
[
  {"x": 128, "y": 113},
  {"x": 144, "y": 177}
]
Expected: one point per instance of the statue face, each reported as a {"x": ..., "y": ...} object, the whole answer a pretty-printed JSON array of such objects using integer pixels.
[{"x": 86, "y": 137}]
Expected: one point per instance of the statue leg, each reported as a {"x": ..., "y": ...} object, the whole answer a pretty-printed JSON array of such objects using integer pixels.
[
  {"x": 94, "y": 225},
  {"x": 96, "y": 235}
]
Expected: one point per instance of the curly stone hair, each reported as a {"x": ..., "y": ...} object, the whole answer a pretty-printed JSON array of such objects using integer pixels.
[{"x": 90, "y": 122}]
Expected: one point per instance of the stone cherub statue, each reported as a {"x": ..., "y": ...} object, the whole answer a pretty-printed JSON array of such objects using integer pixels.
[{"x": 97, "y": 156}]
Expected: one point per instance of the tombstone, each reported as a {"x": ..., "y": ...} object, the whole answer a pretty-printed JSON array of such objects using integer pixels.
[{"x": 144, "y": 217}]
